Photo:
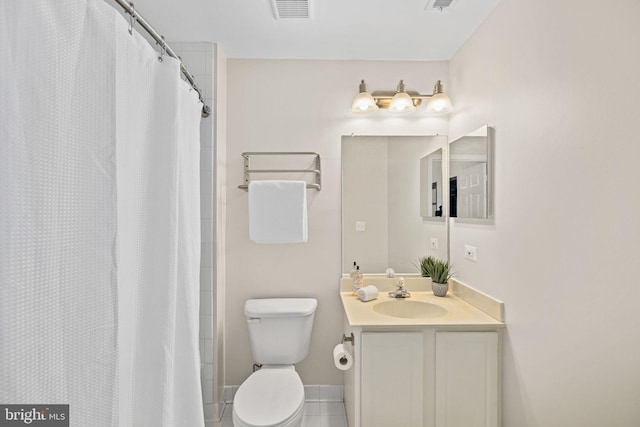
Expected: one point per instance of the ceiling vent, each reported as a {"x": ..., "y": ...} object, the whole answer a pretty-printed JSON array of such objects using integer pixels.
[
  {"x": 291, "y": 9},
  {"x": 439, "y": 5}
]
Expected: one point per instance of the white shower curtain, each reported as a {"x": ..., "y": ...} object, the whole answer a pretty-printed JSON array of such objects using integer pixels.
[{"x": 99, "y": 219}]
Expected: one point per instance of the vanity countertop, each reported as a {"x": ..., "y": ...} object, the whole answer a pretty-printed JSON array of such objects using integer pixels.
[{"x": 458, "y": 311}]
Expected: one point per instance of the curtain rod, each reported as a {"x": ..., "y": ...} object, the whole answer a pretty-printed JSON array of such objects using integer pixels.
[{"x": 129, "y": 8}]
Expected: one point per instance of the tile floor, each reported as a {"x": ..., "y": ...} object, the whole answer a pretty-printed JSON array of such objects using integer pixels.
[{"x": 316, "y": 414}]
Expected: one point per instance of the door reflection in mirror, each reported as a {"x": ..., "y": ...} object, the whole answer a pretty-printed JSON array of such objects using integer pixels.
[
  {"x": 431, "y": 185},
  {"x": 469, "y": 175}
]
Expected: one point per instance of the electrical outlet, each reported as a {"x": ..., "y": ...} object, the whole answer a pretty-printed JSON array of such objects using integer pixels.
[
  {"x": 471, "y": 253},
  {"x": 434, "y": 243},
  {"x": 360, "y": 226}
]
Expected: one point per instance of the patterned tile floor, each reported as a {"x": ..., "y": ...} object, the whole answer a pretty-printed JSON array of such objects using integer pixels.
[{"x": 316, "y": 414}]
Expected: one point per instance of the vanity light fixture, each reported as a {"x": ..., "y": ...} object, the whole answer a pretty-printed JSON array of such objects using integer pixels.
[
  {"x": 401, "y": 101},
  {"x": 363, "y": 103},
  {"x": 439, "y": 101}
]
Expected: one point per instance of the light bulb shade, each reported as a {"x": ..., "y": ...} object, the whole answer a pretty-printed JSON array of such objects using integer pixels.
[
  {"x": 401, "y": 103},
  {"x": 439, "y": 103},
  {"x": 363, "y": 103}
]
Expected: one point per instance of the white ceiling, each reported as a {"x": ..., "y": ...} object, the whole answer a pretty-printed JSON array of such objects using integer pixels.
[{"x": 338, "y": 29}]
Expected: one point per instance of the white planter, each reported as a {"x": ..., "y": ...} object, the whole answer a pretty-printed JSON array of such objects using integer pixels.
[{"x": 439, "y": 289}]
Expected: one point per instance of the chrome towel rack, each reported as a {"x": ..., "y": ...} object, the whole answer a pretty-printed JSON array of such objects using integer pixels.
[{"x": 316, "y": 170}]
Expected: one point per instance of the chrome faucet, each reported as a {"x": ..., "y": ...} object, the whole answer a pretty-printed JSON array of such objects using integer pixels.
[{"x": 400, "y": 291}]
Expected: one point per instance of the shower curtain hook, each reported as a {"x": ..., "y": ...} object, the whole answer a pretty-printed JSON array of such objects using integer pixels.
[
  {"x": 132, "y": 18},
  {"x": 162, "y": 48}
]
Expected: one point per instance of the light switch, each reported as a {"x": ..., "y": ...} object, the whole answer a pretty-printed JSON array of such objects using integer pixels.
[
  {"x": 434, "y": 243},
  {"x": 471, "y": 253},
  {"x": 360, "y": 226}
]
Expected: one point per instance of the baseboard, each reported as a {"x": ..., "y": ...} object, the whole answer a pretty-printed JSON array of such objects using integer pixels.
[{"x": 213, "y": 412}]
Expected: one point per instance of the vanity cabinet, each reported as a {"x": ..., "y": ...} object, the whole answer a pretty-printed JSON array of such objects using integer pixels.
[
  {"x": 466, "y": 379},
  {"x": 392, "y": 379},
  {"x": 436, "y": 366},
  {"x": 429, "y": 378}
]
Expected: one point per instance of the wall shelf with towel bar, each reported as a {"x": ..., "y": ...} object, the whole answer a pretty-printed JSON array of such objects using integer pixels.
[{"x": 316, "y": 171}]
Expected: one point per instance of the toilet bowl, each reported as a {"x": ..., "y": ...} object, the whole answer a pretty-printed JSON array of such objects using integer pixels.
[
  {"x": 280, "y": 333},
  {"x": 270, "y": 398}
]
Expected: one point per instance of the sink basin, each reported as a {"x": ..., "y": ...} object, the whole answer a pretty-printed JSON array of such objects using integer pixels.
[{"x": 408, "y": 309}]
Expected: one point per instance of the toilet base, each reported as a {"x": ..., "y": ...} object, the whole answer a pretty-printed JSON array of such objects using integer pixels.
[
  {"x": 295, "y": 422},
  {"x": 272, "y": 397}
]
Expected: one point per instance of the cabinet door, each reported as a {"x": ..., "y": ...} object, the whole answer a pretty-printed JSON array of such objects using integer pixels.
[
  {"x": 466, "y": 374},
  {"x": 392, "y": 379}
]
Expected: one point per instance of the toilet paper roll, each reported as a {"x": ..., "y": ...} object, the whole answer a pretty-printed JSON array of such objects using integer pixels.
[{"x": 342, "y": 357}]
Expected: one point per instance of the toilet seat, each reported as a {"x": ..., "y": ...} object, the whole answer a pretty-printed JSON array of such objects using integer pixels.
[{"x": 269, "y": 398}]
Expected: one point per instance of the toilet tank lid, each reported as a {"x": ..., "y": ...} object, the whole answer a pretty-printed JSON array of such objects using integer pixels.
[{"x": 280, "y": 307}]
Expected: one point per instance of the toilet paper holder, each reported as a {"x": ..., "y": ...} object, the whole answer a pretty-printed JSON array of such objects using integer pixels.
[{"x": 348, "y": 338}]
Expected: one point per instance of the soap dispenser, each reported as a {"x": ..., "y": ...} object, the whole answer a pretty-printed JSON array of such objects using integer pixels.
[{"x": 357, "y": 281}]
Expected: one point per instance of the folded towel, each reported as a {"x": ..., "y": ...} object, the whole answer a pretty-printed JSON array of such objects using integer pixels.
[
  {"x": 367, "y": 293},
  {"x": 278, "y": 211}
]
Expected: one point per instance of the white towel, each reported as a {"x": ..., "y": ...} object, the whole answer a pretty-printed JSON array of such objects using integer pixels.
[
  {"x": 278, "y": 211},
  {"x": 367, "y": 293}
]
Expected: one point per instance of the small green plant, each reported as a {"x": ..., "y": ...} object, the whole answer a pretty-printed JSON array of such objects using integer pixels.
[
  {"x": 426, "y": 263},
  {"x": 439, "y": 271}
]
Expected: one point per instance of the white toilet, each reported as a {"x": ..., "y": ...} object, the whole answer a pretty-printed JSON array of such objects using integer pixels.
[{"x": 280, "y": 332}]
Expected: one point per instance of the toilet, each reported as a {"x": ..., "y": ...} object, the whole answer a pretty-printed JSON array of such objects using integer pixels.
[{"x": 280, "y": 333}]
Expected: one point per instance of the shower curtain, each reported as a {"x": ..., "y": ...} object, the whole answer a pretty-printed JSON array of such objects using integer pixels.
[{"x": 99, "y": 219}]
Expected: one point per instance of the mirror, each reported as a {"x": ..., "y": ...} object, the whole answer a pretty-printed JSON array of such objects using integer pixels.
[
  {"x": 432, "y": 186},
  {"x": 382, "y": 187},
  {"x": 469, "y": 173}
]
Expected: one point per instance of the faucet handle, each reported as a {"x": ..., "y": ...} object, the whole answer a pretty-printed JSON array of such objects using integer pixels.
[{"x": 400, "y": 291}]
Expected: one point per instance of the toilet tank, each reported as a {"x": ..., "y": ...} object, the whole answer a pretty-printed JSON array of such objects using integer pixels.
[{"x": 280, "y": 329}]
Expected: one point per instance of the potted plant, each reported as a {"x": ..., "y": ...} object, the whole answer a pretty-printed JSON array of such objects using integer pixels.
[
  {"x": 426, "y": 263},
  {"x": 440, "y": 274}
]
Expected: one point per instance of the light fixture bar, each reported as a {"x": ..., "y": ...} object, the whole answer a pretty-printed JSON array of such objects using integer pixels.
[
  {"x": 438, "y": 102},
  {"x": 383, "y": 98}
]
